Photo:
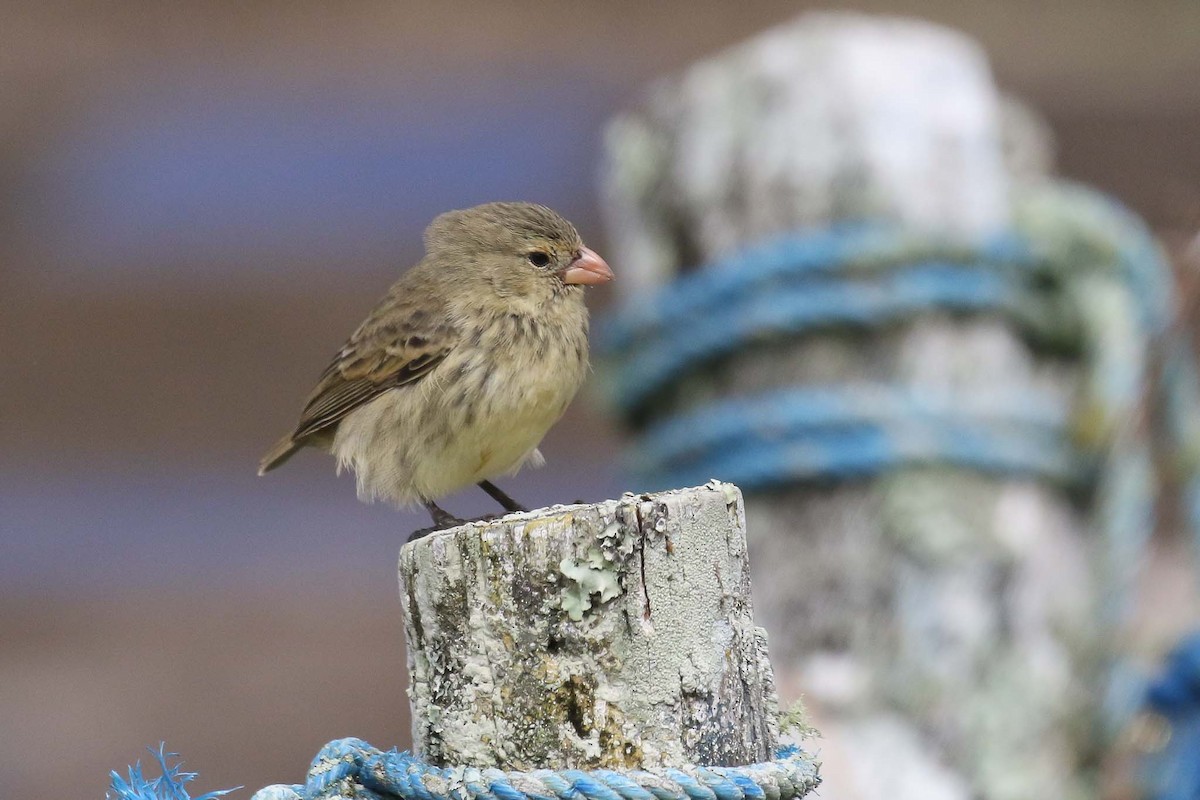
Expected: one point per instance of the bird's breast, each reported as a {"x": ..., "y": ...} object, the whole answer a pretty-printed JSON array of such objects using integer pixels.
[
  {"x": 516, "y": 383},
  {"x": 531, "y": 369}
]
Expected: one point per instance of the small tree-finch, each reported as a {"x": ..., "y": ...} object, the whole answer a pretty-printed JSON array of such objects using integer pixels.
[{"x": 459, "y": 371}]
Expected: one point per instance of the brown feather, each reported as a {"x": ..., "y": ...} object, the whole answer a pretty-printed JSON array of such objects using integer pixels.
[
  {"x": 280, "y": 452},
  {"x": 388, "y": 351}
]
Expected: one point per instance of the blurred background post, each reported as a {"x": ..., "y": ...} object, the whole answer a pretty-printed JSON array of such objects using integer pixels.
[
  {"x": 199, "y": 202},
  {"x": 858, "y": 293}
]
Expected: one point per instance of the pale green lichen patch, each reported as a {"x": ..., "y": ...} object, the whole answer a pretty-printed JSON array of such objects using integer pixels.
[
  {"x": 796, "y": 722},
  {"x": 732, "y": 495},
  {"x": 599, "y": 572},
  {"x": 595, "y": 577}
]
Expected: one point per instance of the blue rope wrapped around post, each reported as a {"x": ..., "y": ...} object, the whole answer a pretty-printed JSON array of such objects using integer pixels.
[
  {"x": 871, "y": 275},
  {"x": 853, "y": 275},
  {"x": 1078, "y": 278},
  {"x": 835, "y": 433},
  {"x": 351, "y": 768}
]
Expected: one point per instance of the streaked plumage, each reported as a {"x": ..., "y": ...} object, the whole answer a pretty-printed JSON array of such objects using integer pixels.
[{"x": 464, "y": 365}]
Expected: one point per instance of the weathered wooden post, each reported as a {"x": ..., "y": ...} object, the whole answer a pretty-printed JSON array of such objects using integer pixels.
[
  {"x": 594, "y": 652},
  {"x": 851, "y": 288},
  {"x": 618, "y": 635}
]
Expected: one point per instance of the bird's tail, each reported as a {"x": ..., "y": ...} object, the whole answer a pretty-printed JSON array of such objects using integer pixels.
[{"x": 280, "y": 452}]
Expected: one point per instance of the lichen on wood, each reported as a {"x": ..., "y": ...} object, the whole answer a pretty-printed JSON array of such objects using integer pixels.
[{"x": 615, "y": 635}]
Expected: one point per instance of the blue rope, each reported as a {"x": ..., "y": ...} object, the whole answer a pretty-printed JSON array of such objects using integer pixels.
[
  {"x": 1176, "y": 692},
  {"x": 1099, "y": 231},
  {"x": 1042, "y": 275},
  {"x": 171, "y": 784},
  {"x": 352, "y": 768},
  {"x": 663, "y": 354},
  {"x": 853, "y": 431},
  {"x": 861, "y": 248},
  {"x": 1171, "y": 769},
  {"x": 869, "y": 275}
]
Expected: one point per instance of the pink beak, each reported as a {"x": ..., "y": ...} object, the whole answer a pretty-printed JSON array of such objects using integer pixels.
[{"x": 589, "y": 269}]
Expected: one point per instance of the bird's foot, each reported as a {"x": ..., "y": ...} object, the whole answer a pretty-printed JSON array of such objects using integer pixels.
[{"x": 442, "y": 519}]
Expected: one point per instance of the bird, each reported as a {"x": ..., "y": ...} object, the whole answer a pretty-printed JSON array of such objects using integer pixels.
[{"x": 463, "y": 366}]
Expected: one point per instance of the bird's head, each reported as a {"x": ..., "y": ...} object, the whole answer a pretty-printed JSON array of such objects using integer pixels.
[{"x": 521, "y": 249}]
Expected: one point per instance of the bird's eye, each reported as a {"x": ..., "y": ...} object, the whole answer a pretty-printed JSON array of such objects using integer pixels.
[{"x": 539, "y": 258}]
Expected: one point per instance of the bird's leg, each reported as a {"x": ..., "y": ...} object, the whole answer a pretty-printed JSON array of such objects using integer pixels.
[
  {"x": 442, "y": 519},
  {"x": 501, "y": 497}
]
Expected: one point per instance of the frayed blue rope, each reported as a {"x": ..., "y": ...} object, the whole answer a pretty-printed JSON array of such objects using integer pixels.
[
  {"x": 352, "y": 768},
  {"x": 170, "y": 785}
]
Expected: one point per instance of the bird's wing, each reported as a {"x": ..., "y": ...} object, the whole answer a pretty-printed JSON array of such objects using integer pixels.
[{"x": 398, "y": 345}]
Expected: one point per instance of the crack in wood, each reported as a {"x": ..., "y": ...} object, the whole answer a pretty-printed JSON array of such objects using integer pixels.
[{"x": 637, "y": 510}]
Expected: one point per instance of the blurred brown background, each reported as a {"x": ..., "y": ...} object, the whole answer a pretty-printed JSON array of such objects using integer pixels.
[{"x": 199, "y": 202}]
